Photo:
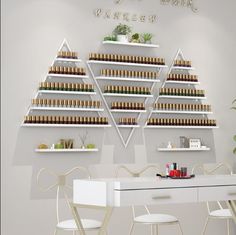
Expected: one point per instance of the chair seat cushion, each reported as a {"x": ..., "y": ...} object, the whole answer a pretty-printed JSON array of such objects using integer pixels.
[
  {"x": 71, "y": 225},
  {"x": 221, "y": 213},
  {"x": 155, "y": 218}
]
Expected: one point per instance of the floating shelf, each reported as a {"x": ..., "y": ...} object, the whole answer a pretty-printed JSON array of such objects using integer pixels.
[
  {"x": 182, "y": 149},
  {"x": 64, "y": 125},
  {"x": 66, "y": 92},
  {"x": 125, "y": 64},
  {"x": 182, "y": 82},
  {"x": 127, "y": 79},
  {"x": 127, "y": 95},
  {"x": 182, "y": 68},
  {"x": 128, "y": 126},
  {"x": 127, "y": 111},
  {"x": 52, "y": 75},
  {"x": 130, "y": 44},
  {"x": 180, "y": 127},
  {"x": 67, "y": 109},
  {"x": 181, "y": 112},
  {"x": 182, "y": 97},
  {"x": 67, "y": 60},
  {"x": 65, "y": 150}
]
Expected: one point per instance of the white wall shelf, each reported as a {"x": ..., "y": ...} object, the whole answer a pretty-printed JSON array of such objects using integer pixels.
[
  {"x": 66, "y": 92},
  {"x": 180, "y": 112},
  {"x": 128, "y": 126},
  {"x": 182, "y": 97},
  {"x": 182, "y": 68},
  {"x": 52, "y": 75},
  {"x": 126, "y": 64},
  {"x": 127, "y": 95},
  {"x": 130, "y": 44},
  {"x": 182, "y": 149},
  {"x": 65, "y": 150},
  {"x": 128, "y": 79},
  {"x": 179, "y": 127},
  {"x": 127, "y": 111},
  {"x": 64, "y": 125},
  {"x": 182, "y": 82},
  {"x": 67, "y": 60},
  {"x": 67, "y": 109}
]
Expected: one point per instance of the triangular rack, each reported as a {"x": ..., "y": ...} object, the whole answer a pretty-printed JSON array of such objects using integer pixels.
[
  {"x": 179, "y": 85},
  {"x": 123, "y": 105},
  {"x": 66, "y": 80}
]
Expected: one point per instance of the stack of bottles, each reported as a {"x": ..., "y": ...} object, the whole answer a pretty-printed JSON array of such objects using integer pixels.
[
  {"x": 67, "y": 55},
  {"x": 182, "y": 77},
  {"x": 183, "y": 63},
  {"x": 182, "y": 107},
  {"x": 128, "y": 121},
  {"x": 127, "y": 90},
  {"x": 182, "y": 92},
  {"x": 67, "y": 70},
  {"x": 127, "y": 105}
]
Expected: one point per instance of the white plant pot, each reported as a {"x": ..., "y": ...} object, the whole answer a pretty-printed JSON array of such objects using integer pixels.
[{"x": 122, "y": 38}]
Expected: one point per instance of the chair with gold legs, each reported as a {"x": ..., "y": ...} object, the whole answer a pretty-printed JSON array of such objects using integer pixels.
[
  {"x": 154, "y": 220},
  {"x": 71, "y": 225},
  {"x": 220, "y": 213}
]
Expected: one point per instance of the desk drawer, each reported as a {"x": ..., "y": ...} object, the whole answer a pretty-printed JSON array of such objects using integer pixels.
[
  {"x": 154, "y": 196},
  {"x": 222, "y": 193}
]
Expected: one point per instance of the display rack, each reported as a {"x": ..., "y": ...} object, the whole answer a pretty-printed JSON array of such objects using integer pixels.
[
  {"x": 183, "y": 149},
  {"x": 130, "y": 44},
  {"x": 67, "y": 62},
  {"x": 65, "y": 150},
  {"x": 179, "y": 70},
  {"x": 130, "y": 97}
]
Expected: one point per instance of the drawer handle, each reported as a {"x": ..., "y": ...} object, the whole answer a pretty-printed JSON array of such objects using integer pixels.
[
  {"x": 161, "y": 197},
  {"x": 232, "y": 194}
]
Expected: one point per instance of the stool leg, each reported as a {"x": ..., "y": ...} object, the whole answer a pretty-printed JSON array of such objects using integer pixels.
[
  {"x": 180, "y": 228},
  {"x": 228, "y": 228},
  {"x": 131, "y": 229},
  {"x": 204, "y": 229},
  {"x": 157, "y": 232}
]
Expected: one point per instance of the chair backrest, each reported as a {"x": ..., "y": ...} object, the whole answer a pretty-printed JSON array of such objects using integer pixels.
[
  {"x": 212, "y": 169},
  {"x": 137, "y": 173},
  {"x": 60, "y": 184}
]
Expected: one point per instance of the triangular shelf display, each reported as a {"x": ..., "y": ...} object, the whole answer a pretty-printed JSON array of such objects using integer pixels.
[
  {"x": 125, "y": 84},
  {"x": 188, "y": 109},
  {"x": 57, "y": 103}
]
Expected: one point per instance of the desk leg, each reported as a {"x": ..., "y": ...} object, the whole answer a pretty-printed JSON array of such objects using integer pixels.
[
  {"x": 77, "y": 220},
  {"x": 232, "y": 207},
  {"x": 105, "y": 222}
]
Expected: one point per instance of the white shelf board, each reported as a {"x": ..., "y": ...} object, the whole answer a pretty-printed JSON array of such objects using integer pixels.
[
  {"x": 126, "y": 64},
  {"x": 182, "y": 149},
  {"x": 68, "y": 60},
  {"x": 67, "y": 92},
  {"x": 64, "y": 125},
  {"x": 130, "y": 44},
  {"x": 128, "y": 126},
  {"x": 183, "y": 68},
  {"x": 127, "y": 95},
  {"x": 65, "y": 150},
  {"x": 179, "y": 127},
  {"x": 127, "y": 111},
  {"x": 128, "y": 79},
  {"x": 182, "y": 97},
  {"x": 67, "y": 109},
  {"x": 182, "y": 82},
  {"x": 180, "y": 112},
  {"x": 52, "y": 75}
]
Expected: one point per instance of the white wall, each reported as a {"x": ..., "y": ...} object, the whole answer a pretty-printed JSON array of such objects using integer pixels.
[{"x": 32, "y": 32}]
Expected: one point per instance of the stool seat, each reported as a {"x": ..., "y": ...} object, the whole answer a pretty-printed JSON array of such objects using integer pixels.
[
  {"x": 225, "y": 213},
  {"x": 70, "y": 225},
  {"x": 155, "y": 219}
]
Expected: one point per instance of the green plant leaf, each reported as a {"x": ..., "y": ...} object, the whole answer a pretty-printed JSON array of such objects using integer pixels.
[
  {"x": 233, "y": 108},
  {"x": 234, "y": 138},
  {"x": 234, "y": 101},
  {"x": 234, "y": 151}
]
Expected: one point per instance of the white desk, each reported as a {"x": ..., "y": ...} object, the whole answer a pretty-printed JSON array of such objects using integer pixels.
[{"x": 120, "y": 192}]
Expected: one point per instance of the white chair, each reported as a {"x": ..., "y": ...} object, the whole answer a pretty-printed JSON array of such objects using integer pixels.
[
  {"x": 154, "y": 220},
  {"x": 72, "y": 225},
  {"x": 221, "y": 213}
]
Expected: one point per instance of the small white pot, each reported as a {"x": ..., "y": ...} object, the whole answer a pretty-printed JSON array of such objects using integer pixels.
[{"x": 122, "y": 38}]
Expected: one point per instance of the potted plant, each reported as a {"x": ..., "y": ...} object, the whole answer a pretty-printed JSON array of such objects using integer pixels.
[
  {"x": 147, "y": 37},
  {"x": 135, "y": 38},
  {"x": 121, "y": 32},
  {"x": 83, "y": 139},
  {"x": 110, "y": 38},
  {"x": 234, "y": 107}
]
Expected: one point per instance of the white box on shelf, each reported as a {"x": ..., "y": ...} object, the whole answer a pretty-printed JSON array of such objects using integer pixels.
[{"x": 194, "y": 143}]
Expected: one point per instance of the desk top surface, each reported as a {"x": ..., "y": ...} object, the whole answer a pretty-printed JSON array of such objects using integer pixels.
[{"x": 133, "y": 183}]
